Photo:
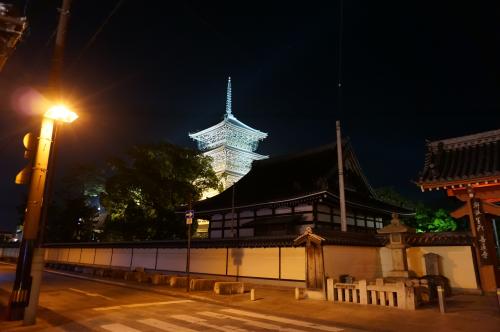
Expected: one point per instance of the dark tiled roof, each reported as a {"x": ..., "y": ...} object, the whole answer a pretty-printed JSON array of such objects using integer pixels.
[
  {"x": 331, "y": 238},
  {"x": 298, "y": 176},
  {"x": 267, "y": 241},
  {"x": 439, "y": 239},
  {"x": 463, "y": 158}
]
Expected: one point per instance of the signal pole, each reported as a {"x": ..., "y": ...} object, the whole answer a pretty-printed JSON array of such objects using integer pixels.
[
  {"x": 189, "y": 221},
  {"x": 23, "y": 301}
]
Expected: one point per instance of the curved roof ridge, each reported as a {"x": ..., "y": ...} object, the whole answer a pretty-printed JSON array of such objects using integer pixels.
[
  {"x": 233, "y": 120},
  {"x": 467, "y": 140},
  {"x": 302, "y": 154}
]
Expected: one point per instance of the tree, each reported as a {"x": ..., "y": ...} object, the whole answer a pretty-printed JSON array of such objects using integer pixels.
[
  {"x": 71, "y": 216},
  {"x": 391, "y": 196},
  {"x": 72, "y": 220},
  {"x": 143, "y": 191},
  {"x": 424, "y": 219}
]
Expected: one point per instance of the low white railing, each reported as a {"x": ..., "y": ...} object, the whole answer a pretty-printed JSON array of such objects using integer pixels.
[{"x": 396, "y": 294}]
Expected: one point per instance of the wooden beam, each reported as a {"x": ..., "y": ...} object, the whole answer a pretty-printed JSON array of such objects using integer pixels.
[
  {"x": 478, "y": 182},
  {"x": 491, "y": 208},
  {"x": 486, "y": 207},
  {"x": 490, "y": 194},
  {"x": 460, "y": 212}
]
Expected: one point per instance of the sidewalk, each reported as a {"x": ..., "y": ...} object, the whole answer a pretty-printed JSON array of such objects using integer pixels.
[{"x": 465, "y": 312}]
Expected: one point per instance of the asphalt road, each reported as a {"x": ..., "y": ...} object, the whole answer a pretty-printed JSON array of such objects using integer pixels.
[{"x": 70, "y": 304}]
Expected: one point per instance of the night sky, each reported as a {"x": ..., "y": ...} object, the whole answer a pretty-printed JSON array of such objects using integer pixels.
[{"x": 158, "y": 69}]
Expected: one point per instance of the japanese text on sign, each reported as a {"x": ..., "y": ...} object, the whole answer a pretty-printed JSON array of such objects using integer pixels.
[{"x": 479, "y": 220}]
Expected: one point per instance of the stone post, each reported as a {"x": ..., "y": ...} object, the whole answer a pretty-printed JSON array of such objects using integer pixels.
[
  {"x": 431, "y": 264},
  {"x": 396, "y": 233},
  {"x": 363, "y": 296}
]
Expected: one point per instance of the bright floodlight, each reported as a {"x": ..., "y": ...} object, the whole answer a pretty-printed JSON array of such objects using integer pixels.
[{"x": 61, "y": 113}]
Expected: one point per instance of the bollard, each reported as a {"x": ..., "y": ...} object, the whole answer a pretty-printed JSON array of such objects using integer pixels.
[
  {"x": 252, "y": 294},
  {"x": 297, "y": 293},
  {"x": 440, "y": 291}
]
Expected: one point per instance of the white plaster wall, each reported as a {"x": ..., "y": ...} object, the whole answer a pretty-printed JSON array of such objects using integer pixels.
[
  {"x": 216, "y": 234},
  {"x": 51, "y": 254},
  {"x": 87, "y": 256},
  {"x": 246, "y": 232},
  {"x": 211, "y": 261},
  {"x": 11, "y": 252},
  {"x": 74, "y": 255},
  {"x": 63, "y": 255},
  {"x": 293, "y": 263},
  {"x": 171, "y": 260},
  {"x": 121, "y": 257},
  {"x": 360, "y": 262},
  {"x": 103, "y": 256},
  {"x": 254, "y": 262},
  {"x": 144, "y": 257},
  {"x": 455, "y": 264}
]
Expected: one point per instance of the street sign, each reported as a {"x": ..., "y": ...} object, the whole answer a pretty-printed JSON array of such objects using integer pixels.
[{"x": 189, "y": 216}]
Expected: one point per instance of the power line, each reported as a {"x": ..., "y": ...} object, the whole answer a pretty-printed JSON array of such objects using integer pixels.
[
  {"x": 340, "y": 37},
  {"x": 98, "y": 31}
]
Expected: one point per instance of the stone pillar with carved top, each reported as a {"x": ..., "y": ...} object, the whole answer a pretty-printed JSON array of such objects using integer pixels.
[{"x": 395, "y": 232}]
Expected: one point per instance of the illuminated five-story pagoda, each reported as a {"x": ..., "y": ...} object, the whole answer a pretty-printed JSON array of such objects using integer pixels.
[{"x": 231, "y": 144}]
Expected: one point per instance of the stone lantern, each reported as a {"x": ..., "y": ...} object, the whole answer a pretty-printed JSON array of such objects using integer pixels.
[{"x": 397, "y": 245}]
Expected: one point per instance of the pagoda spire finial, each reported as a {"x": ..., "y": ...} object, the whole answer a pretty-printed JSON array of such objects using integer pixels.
[{"x": 228, "y": 98}]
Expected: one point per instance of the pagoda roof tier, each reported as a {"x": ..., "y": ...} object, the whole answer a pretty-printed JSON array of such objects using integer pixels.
[
  {"x": 228, "y": 153},
  {"x": 460, "y": 161},
  {"x": 230, "y": 131}
]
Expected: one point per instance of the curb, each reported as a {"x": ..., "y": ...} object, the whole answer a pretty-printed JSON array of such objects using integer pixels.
[{"x": 137, "y": 287}]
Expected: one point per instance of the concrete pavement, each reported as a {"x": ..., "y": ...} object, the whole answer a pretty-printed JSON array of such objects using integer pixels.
[{"x": 465, "y": 312}]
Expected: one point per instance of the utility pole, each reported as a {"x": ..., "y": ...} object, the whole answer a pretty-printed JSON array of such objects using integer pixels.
[
  {"x": 24, "y": 298},
  {"x": 340, "y": 160},
  {"x": 189, "y": 221}
]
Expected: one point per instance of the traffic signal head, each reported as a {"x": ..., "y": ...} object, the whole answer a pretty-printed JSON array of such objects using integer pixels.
[{"x": 23, "y": 177}]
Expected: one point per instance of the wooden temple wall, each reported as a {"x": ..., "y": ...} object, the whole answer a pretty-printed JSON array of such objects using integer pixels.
[{"x": 224, "y": 224}]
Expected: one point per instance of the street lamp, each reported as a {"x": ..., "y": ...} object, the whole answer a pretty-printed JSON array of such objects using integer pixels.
[
  {"x": 61, "y": 112},
  {"x": 30, "y": 260}
]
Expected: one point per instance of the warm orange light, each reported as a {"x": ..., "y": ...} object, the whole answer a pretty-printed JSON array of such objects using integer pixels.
[{"x": 61, "y": 113}]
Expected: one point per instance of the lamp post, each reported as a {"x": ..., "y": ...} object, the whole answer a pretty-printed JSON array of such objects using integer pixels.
[
  {"x": 22, "y": 289},
  {"x": 28, "y": 276},
  {"x": 189, "y": 221}
]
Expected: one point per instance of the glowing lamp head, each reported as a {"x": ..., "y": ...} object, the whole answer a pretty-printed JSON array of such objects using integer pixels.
[{"x": 61, "y": 113}]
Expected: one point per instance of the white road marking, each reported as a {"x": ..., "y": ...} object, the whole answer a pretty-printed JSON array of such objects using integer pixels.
[
  {"x": 136, "y": 305},
  {"x": 118, "y": 328},
  {"x": 203, "y": 322},
  {"x": 283, "y": 320},
  {"x": 90, "y": 294},
  {"x": 107, "y": 308},
  {"x": 234, "y": 328},
  {"x": 165, "y": 326},
  {"x": 260, "y": 325}
]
